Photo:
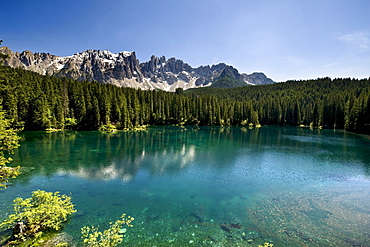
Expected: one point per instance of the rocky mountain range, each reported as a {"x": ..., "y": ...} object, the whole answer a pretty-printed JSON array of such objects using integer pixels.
[{"x": 124, "y": 69}]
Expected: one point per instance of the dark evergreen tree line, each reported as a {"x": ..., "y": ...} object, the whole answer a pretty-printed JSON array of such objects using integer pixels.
[
  {"x": 39, "y": 102},
  {"x": 337, "y": 103}
]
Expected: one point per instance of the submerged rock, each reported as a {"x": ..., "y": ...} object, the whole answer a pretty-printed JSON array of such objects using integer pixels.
[{"x": 225, "y": 228}]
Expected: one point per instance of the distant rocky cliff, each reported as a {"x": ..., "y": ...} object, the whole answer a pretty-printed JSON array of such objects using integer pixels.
[{"x": 124, "y": 69}]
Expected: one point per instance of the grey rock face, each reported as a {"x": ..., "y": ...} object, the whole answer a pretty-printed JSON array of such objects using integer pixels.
[
  {"x": 101, "y": 66},
  {"x": 124, "y": 69},
  {"x": 231, "y": 72},
  {"x": 257, "y": 78}
]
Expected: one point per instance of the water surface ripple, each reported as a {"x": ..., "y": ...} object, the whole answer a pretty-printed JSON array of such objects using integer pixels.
[{"x": 208, "y": 186}]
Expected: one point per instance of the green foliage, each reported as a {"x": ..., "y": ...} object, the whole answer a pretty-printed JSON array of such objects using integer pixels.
[
  {"x": 326, "y": 103},
  {"x": 108, "y": 128},
  {"x": 39, "y": 102},
  {"x": 70, "y": 122},
  {"x": 228, "y": 82},
  {"x": 8, "y": 142},
  {"x": 52, "y": 130},
  {"x": 111, "y": 237},
  {"x": 266, "y": 245},
  {"x": 62, "y": 245},
  {"x": 42, "y": 212},
  {"x": 179, "y": 90}
]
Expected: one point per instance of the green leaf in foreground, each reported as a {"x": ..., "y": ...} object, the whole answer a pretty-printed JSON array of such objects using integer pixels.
[
  {"x": 42, "y": 212},
  {"x": 9, "y": 141},
  {"x": 111, "y": 237}
]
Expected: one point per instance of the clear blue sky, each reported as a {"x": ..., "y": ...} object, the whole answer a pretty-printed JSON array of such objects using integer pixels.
[{"x": 285, "y": 39}]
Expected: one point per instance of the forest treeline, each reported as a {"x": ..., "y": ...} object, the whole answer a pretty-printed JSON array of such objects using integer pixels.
[{"x": 36, "y": 102}]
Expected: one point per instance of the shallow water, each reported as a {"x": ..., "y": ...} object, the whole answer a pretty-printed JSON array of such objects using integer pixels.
[{"x": 206, "y": 186}]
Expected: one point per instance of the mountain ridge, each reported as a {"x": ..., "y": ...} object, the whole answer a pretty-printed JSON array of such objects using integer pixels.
[{"x": 125, "y": 70}]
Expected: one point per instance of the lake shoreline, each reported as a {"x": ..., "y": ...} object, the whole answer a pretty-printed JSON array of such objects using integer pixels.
[{"x": 365, "y": 136}]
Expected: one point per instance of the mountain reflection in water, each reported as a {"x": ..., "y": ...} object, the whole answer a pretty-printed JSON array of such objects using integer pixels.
[{"x": 121, "y": 155}]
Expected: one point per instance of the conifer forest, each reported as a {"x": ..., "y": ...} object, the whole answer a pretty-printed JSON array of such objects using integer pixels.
[{"x": 38, "y": 102}]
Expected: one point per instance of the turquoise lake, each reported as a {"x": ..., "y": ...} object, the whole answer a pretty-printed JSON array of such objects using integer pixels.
[{"x": 207, "y": 186}]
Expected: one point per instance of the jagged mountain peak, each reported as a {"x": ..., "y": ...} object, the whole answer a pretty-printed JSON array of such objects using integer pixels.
[
  {"x": 104, "y": 54},
  {"x": 124, "y": 69},
  {"x": 257, "y": 78},
  {"x": 230, "y": 72}
]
